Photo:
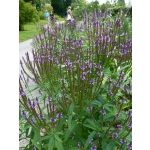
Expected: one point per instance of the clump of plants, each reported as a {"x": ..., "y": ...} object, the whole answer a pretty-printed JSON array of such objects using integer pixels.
[{"x": 77, "y": 91}]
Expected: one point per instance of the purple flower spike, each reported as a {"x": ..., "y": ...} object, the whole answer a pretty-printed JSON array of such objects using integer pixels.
[
  {"x": 53, "y": 107},
  {"x": 59, "y": 115},
  {"x": 122, "y": 101},
  {"x": 129, "y": 114},
  {"x": 103, "y": 112},
  {"x": 98, "y": 134},
  {"x": 117, "y": 115},
  {"x": 129, "y": 125},
  {"x": 115, "y": 135},
  {"x": 37, "y": 100},
  {"x": 41, "y": 116},
  {"x": 79, "y": 144},
  {"x": 34, "y": 148},
  {"x": 110, "y": 92},
  {"x": 49, "y": 98},
  {"x": 91, "y": 141},
  {"x": 129, "y": 145},
  {"x": 122, "y": 141},
  {"x": 33, "y": 105},
  {"x": 24, "y": 114},
  {"x": 119, "y": 127},
  {"x": 94, "y": 147},
  {"x": 52, "y": 120},
  {"x": 40, "y": 92},
  {"x": 90, "y": 108},
  {"x": 109, "y": 80},
  {"x": 22, "y": 93},
  {"x": 92, "y": 82},
  {"x": 31, "y": 120}
]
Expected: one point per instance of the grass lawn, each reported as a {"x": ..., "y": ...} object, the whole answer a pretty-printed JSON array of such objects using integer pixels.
[{"x": 30, "y": 30}]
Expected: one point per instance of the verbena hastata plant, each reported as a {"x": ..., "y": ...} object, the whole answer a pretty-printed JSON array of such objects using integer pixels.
[{"x": 76, "y": 92}]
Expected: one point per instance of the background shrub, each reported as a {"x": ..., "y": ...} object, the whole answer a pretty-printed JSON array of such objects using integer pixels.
[{"x": 27, "y": 13}]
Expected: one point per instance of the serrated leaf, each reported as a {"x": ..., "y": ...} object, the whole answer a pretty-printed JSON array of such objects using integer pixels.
[
  {"x": 58, "y": 145},
  {"x": 51, "y": 143},
  {"x": 69, "y": 122},
  {"x": 92, "y": 134},
  {"x": 96, "y": 102},
  {"x": 89, "y": 126},
  {"x": 57, "y": 138},
  {"x": 91, "y": 122}
]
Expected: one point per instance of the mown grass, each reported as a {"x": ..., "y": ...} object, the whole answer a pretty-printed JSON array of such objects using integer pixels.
[{"x": 30, "y": 30}]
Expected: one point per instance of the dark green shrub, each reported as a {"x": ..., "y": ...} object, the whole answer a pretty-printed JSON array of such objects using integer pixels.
[{"x": 27, "y": 13}]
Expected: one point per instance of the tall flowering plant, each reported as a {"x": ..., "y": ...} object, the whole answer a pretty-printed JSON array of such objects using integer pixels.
[{"x": 77, "y": 91}]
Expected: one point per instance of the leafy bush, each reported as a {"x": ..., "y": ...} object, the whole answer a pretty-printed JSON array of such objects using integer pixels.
[
  {"x": 27, "y": 13},
  {"x": 82, "y": 75},
  {"x": 41, "y": 15}
]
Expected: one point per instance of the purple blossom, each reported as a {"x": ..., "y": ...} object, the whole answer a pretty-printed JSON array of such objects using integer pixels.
[
  {"x": 122, "y": 101},
  {"x": 99, "y": 72},
  {"x": 129, "y": 125},
  {"x": 33, "y": 148},
  {"x": 91, "y": 141},
  {"x": 115, "y": 135},
  {"x": 83, "y": 77},
  {"x": 94, "y": 147},
  {"x": 109, "y": 80},
  {"x": 82, "y": 67},
  {"x": 118, "y": 85},
  {"x": 40, "y": 92},
  {"x": 24, "y": 114},
  {"x": 31, "y": 120},
  {"x": 129, "y": 145},
  {"x": 37, "y": 100},
  {"x": 53, "y": 107},
  {"x": 103, "y": 112},
  {"x": 119, "y": 127},
  {"x": 33, "y": 105},
  {"x": 92, "y": 82},
  {"x": 90, "y": 108},
  {"x": 110, "y": 92},
  {"x": 59, "y": 115},
  {"x": 22, "y": 93},
  {"x": 79, "y": 144},
  {"x": 122, "y": 141},
  {"x": 52, "y": 120},
  {"x": 49, "y": 98},
  {"x": 117, "y": 115},
  {"x": 41, "y": 116},
  {"x": 98, "y": 134},
  {"x": 120, "y": 74},
  {"x": 129, "y": 114}
]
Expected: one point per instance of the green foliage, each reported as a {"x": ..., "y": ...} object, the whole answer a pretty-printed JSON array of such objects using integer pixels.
[{"x": 27, "y": 13}]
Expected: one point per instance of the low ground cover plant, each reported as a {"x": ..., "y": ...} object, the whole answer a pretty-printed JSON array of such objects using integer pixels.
[{"x": 78, "y": 89}]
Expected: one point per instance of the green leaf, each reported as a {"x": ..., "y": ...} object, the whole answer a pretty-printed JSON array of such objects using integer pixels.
[
  {"x": 35, "y": 144},
  {"x": 58, "y": 145},
  {"x": 51, "y": 143},
  {"x": 109, "y": 115},
  {"x": 91, "y": 122},
  {"x": 96, "y": 102},
  {"x": 90, "y": 126},
  {"x": 67, "y": 133},
  {"x": 71, "y": 108},
  {"x": 69, "y": 122},
  {"x": 89, "y": 138},
  {"x": 58, "y": 139},
  {"x": 110, "y": 146}
]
